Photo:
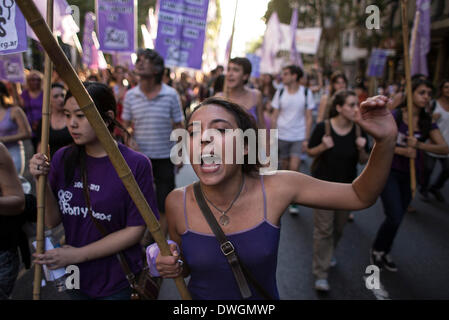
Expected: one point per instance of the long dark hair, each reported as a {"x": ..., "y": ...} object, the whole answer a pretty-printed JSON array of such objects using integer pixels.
[
  {"x": 339, "y": 99},
  {"x": 424, "y": 118},
  {"x": 244, "y": 121},
  {"x": 75, "y": 156}
]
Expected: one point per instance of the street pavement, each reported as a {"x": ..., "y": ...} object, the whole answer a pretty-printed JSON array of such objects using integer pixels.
[{"x": 421, "y": 252}]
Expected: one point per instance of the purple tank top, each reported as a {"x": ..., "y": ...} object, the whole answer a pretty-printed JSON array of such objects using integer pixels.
[
  {"x": 211, "y": 274},
  {"x": 7, "y": 126},
  {"x": 32, "y": 106}
]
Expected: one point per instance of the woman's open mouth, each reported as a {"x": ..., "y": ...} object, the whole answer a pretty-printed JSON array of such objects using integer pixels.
[{"x": 210, "y": 163}]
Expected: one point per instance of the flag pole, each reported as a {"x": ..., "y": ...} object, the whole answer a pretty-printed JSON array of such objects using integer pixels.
[
  {"x": 42, "y": 180},
  {"x": 405, "y": 34},
  {"x": 225, "y": 86},
  {"x": 68, "y": 74}
]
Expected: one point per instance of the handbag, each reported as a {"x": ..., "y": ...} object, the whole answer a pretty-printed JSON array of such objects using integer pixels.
[
  {"x": 241, "y": 273},
  {"x": 145, "y": 287}
]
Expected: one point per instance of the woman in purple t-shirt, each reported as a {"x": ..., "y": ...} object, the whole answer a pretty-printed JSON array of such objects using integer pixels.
[
  {"x": 397, "y": 193},
  {"x": 101, "y": 275},
  {"x": 248, "y": 205}
]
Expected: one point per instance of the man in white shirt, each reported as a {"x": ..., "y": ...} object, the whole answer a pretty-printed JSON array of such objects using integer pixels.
[{"x": 292, "y": 116}]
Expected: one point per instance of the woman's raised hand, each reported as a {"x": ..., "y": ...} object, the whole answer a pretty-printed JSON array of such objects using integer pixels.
[{"x": 375, "y": 118}]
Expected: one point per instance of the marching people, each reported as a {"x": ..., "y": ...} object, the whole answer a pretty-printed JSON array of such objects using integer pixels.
[
  {"x": 31, "y": 101},
  {"x": 85, "y": 193},
  {"x": 337, "y": 145},
  {"x": 441, "y": 115},
  {"x": 59, "y": 133},
  {"x": 338, "y": 81},
  {"x": 236, "y": 89},
  {"x": 12, "y": 203},
  {"x": 396, "y": 195},
  {"x": 14, "y": 128},
  {"x": 292, "y": 116},
  {"x": 249, "y": 206},
  {"x": 151, "y": 110}
]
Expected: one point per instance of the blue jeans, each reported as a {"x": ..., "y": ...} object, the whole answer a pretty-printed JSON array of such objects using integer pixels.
[
  {"x": 396, "y": 197},
  {"x": 124, "y": 294},
  {"x": 9, "y": 269}
]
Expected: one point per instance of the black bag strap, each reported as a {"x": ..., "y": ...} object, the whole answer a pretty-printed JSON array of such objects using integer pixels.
[
  {"x": 241, "y": 273},
  {"x": 120, "y": 256}
]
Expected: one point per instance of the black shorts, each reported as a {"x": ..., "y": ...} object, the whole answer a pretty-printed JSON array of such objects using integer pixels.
[{"x": 164, "y": 180}]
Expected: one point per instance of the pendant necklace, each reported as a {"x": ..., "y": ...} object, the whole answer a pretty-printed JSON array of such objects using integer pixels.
[{"x": 224, "y": 219}]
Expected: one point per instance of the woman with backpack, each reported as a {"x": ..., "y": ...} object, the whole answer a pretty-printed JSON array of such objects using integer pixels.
[
  {"x": 396, "y": 195},
  {"x": 337, "y": 145}
]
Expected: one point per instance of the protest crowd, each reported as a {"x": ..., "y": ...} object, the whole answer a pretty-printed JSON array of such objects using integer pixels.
[{"x": 341, "y": 144}]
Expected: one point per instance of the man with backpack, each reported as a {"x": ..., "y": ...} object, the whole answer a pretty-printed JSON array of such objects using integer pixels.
[{"x": 292, "y": 116}]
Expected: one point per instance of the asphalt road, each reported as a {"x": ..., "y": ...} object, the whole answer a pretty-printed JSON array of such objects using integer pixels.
[{"x": 421, "y": 252}]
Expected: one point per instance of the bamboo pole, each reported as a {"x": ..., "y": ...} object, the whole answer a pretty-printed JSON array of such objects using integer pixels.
[
  {"x": 405, "y": 34},
  {"x": 67, "y": 73},
  {"x": 42, "y": 180}
]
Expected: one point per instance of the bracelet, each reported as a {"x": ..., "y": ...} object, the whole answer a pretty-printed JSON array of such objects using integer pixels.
[{"x": 152, "y": 253}]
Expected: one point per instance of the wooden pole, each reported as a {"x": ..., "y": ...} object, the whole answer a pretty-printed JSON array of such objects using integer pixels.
[
  {"x": 408, "y": 79},
  {"x": 42, "y": 181},
  {"x": 67, "y": 73},
  {"x": 225, "y": 86}
]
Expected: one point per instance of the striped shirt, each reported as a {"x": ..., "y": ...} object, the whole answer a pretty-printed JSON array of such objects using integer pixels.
[{"x": 153, "y": 119}]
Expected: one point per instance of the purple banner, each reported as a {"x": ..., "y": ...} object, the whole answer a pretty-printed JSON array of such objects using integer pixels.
[
  {"x": 181, "y": 31},
  {"x": 422, "y": 44},
  {"x": 116, "y": 25},
  {"x": 11, "y": 68},
  {"x": 13, "y": 37},
  {"x": 377, "y": 63}
]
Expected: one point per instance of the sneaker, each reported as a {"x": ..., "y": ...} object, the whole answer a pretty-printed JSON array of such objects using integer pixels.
[
  {"x": 437, "y": 194},
  {"x": 322, "y": 285},
  {"x": 293, "y": 209},
  {"x": 383, "y": 261},
  {"x": 389, "y": 264},
  {"x": 333, "y": 262},
  {"x": 376, "y": 258}
]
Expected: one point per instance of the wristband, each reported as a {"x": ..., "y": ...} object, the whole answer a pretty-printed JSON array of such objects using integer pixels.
[{"x": 152, "y": 253}]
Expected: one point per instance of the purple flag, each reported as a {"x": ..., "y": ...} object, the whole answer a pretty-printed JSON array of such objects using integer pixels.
[
  {"x": 377, "y": 63},
  {"x": 271, "y": 44},
  {"x": 181, "y": 31},
  {"x": 89, "y": 49},
  {"x": 422, "y": 44},
  {"x": 12, "y": 37},
  {"x": 116, "y": 25},
  {"x": 11, "y": 68},
  {"x": 295, "y": 56},
  {"x": 63, "y": 23}
]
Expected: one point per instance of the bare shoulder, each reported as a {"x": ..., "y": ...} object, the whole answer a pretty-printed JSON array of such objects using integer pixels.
[{"x": 174, "y": 200}]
